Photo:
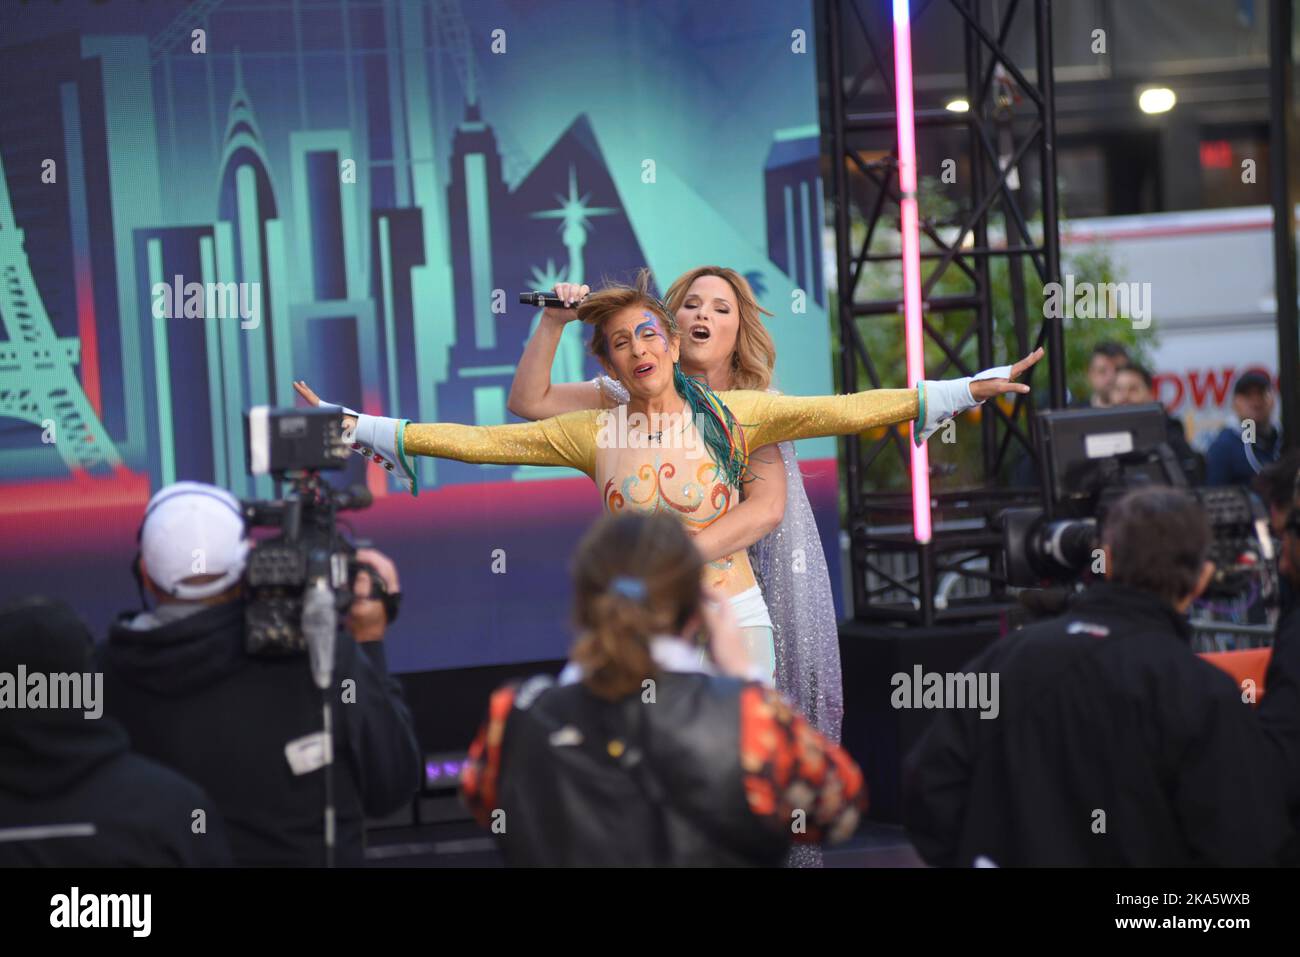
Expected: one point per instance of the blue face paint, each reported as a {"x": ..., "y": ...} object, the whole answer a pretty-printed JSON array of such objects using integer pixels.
[{"x": 652, "y": 322}]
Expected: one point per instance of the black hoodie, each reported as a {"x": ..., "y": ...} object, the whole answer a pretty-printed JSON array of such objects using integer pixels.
[
  {"x": 1279, "y": 716},
  {"x": 71, "y": 792},
  {"x": 191, "y": 698}
]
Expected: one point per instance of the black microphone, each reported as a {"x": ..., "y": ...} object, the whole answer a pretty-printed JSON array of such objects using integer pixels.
[{"x": 543, "y": 300}]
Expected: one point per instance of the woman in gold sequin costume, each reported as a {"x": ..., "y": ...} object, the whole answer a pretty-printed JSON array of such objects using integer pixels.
[
  {"x": 725, "y": 343},
  {"x": 676, "y": 446}
]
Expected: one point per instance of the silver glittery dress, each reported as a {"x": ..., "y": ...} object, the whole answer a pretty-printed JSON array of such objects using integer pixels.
[{"x": 791, "y": 569}]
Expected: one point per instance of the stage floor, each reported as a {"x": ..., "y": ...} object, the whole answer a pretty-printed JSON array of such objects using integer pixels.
[{"x": 463, "y": 844}]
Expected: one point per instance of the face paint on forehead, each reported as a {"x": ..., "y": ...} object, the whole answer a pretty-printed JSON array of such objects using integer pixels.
[{"x": 652, "y": 322}]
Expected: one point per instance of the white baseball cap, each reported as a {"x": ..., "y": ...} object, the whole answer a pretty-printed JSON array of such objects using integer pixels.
[{"x": 190, "y": 529}]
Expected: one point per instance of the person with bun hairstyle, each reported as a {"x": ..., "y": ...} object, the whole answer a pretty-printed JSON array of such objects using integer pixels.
[{"x": 641, "y": 753}]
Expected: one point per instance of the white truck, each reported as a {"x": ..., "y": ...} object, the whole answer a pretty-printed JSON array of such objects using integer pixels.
[{"x": 1210, "y": 297}]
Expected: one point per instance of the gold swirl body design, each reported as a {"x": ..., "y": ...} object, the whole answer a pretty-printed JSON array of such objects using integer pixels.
[{"x": 684, "y": 482}]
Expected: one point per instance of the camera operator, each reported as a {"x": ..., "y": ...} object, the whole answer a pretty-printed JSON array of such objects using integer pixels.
[
  {"x": 249, "y": 728},
  {"x": 1114, "y": 744},
  {"x": 1276, "y": 487},
  {"x": 72, "y": 793}
]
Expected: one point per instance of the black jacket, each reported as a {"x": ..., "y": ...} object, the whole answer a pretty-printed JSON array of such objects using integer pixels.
[
  {"x": 1279, "y": 715},
  {"x": 190, "y": 697},
  {"x": 710, "y": 773},
  {"x": 141, "y": 813},
  {"x": 71, "y": 793},
  {"x": 1115, "y": 746}
]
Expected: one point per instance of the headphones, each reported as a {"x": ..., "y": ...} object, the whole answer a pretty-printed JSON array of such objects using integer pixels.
[{"x": 378, "y": 588}]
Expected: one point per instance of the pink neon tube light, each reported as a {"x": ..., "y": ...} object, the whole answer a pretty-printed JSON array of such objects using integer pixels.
[{"x": 911, "y": 255}]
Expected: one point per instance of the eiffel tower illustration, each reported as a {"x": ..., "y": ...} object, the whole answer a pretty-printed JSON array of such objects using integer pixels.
[{"x": 37, "y": 381}]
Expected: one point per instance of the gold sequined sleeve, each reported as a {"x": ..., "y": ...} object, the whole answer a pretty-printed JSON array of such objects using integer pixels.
[
  {"x": 769, "y": 417},
  {"x": 568, "y": 439}
]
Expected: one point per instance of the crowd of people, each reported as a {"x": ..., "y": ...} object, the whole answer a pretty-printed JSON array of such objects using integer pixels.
[
  {"x": 1114, "y": 744},
  {"x": 1235, "y": 455},
  {"x": 697, "y": 721}
]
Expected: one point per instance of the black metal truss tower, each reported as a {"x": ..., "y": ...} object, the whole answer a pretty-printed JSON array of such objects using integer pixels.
[{"x": 1002, "y": 154}]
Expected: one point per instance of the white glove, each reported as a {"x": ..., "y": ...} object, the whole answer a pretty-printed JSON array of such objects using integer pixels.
[
  {"x": 944, "y": 399},
  {"x": 342, "y": 408},
  {"x": 378, "y": 439}
]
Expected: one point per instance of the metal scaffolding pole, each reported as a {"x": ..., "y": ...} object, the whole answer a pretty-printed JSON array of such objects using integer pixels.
[
  {"x": 1009, "y": 126},
  {"x": 1282, "y": 134}
]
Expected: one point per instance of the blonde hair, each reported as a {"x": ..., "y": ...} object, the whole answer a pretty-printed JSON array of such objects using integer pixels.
[
  {"x": 635, "y": 575},
  {"x": 755, "y": 354}
]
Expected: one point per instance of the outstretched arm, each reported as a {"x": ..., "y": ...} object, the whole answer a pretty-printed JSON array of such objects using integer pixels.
[
  {"x": 769, "y": 418},
  {"x": 558, "y": 441},
  {"x": 566, "y": 440},
  {"x": 532, "y": 394}
]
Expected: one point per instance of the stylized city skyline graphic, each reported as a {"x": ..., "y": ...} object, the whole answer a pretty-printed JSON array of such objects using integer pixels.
[
  {"x": 378, "y": 236},
  {"x": 373, "y": 174}
]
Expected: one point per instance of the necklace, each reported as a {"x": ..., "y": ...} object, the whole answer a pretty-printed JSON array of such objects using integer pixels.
[
  {"x": 682, "y": 419},
  {"x": 658, "y": 437}
]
